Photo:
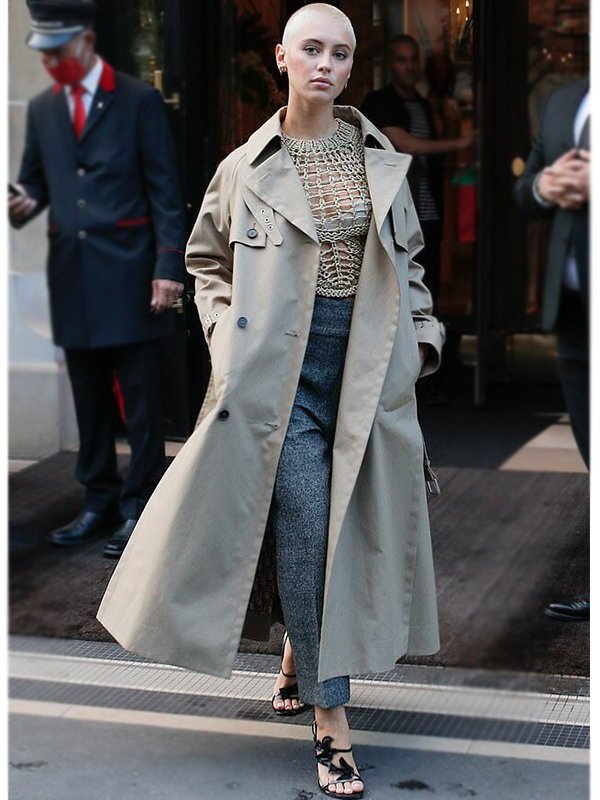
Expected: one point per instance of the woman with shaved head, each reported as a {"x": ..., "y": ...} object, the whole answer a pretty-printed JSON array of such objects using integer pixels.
[{"x": 318, "y": 324}]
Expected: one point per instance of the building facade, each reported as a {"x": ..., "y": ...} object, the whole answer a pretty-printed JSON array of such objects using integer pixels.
[{"x": 492, "y": 65}]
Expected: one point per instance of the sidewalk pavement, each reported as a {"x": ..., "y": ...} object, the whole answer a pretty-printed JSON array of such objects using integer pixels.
[{"x": 92, "y": 722}]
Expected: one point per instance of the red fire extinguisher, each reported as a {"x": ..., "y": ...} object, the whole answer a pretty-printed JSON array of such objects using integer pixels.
[{"x": 465, "y": 197}]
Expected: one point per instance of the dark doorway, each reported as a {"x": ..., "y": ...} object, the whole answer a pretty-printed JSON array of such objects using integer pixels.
[{"x": 170, "y": 44}]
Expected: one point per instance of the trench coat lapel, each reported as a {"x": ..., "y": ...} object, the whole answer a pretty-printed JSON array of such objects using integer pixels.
[
  {"x": 367, "y": 358},
  {"x": 277, "y": 184},
  {"x": 385, "y": 173},
  {"x": 275, "y": 180},
  {"x": 370, "y": 334}
]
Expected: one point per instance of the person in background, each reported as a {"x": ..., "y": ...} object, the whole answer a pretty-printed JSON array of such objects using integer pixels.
[
  {"x": 555, "y": 185},
  {"x": 440, "y": 75},
  {"x": 406, "y": 118},
  {"x": 98, "y": 152}
]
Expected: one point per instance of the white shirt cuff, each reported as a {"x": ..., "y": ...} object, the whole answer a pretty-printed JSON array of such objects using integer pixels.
[{"x": 536, "y": 193}]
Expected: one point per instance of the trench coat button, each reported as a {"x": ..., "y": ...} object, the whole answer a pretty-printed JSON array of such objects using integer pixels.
[
  {"x": 224, "y": 414},
  {"x": 82, "y": 234},
  {"x": 81, "y": 203},
  {"x": 81, "y": 172},
  {"x": 252, "y": 233},
  {"x": 242, "y": 322}
]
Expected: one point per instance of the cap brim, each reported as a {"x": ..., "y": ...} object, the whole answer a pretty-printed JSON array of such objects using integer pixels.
[{"x": 49, "y": 41}]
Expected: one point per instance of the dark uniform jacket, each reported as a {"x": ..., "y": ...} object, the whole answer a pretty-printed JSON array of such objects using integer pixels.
[
  {"x": 385, "y": 108},
  {"x": 116, "y": 220},
  {"x": 570, "y": 229}
]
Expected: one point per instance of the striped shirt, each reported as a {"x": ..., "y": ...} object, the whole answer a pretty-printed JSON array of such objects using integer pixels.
[{"x": 419, "y": 127}]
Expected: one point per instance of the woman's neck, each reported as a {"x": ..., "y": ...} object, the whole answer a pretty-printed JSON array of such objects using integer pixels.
[{"x": 307, "y": 121}]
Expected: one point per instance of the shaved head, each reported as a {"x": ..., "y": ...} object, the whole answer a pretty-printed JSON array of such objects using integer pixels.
[{"x": 298, "y": 19}]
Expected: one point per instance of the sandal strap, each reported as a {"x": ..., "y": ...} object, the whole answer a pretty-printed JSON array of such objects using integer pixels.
[
  {"x": 286, "y": 639},
  {"x": 286, "y": 674},
  {"x": 345, "y": 771},
  {"x": 324, "y": 751},
  {"x": 288, "y": 693}
]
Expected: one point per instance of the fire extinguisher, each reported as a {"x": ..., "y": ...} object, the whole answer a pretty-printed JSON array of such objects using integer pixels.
[{"x": 465, "y": 189}]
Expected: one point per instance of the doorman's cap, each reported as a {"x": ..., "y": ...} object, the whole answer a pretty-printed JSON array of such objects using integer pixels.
[{"x": 56, "y": 22}]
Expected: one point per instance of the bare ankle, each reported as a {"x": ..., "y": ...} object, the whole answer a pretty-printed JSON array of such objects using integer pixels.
[{"x": 331, "y": 718}]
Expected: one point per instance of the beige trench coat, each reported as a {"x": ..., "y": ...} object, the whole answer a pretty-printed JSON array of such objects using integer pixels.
[{"x": 181, "y": 589}]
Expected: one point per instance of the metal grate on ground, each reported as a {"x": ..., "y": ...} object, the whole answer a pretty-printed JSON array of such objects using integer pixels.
[{"x": 103, "y": 675}]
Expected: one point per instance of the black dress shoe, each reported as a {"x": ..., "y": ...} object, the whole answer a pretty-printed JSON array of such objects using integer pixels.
[
  {"x": 571, "y": 611},
  {"x": 85, "y": 527},
  {"x": 117, "y": 542}
]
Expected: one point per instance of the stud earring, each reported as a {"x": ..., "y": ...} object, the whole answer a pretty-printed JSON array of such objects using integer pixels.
[{"x": 282, "y": 69}]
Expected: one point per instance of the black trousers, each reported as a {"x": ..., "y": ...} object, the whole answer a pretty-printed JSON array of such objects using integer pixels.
[
  {"x": 137, "y": 367},
  {"x": 574, "y": 366}
]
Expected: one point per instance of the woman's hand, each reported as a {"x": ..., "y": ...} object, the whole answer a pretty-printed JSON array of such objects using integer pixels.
[{"x": 423, "y": 352}]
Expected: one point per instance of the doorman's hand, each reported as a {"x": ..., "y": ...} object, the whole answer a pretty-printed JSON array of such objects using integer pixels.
[
  {"x": 164, "y": 294},
  {"x": 566, "y": 182},
  {"x": 21, "y": 206},
  {"x": 576, "y": 182}
]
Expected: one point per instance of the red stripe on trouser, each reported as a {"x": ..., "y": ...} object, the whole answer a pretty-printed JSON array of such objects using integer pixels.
[{"x": 119, "y": 398}]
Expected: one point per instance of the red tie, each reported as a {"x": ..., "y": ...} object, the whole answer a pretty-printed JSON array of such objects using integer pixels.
[{"x": 78, "y": 109}]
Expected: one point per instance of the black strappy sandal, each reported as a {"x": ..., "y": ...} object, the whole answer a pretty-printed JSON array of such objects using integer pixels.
[
  {"x": 287, "y": 692},
  {"x": 344, "y": 773}
]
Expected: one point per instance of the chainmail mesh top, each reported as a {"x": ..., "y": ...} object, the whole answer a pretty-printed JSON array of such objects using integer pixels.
[{"x": 332, "y": 171}]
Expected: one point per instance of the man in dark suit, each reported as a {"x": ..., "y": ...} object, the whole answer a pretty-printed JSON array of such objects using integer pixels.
[
  {"x": 99, "y": 153},
  {"x": 555, "y": 186}
]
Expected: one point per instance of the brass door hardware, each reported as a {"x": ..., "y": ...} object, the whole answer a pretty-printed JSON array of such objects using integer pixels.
[{"x": 174, "y": 100}]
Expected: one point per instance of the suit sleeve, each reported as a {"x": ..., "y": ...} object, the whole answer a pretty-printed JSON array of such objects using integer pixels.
[
  {"x": 536, "y": 161},
  {"x": 208, "y": 256},
  {"x": 428, "y": 329},
  {"x": 159, "y": 166},
  {"x": 31, "y": 173}
]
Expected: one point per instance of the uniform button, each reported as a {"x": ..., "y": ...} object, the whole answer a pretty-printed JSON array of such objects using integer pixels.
[
  {"x": 82, "y": 234},
  {"x": 242, "y": 322},
  {"x": 81, "y": 172},
  {"x": 252, "y": 233},
  {"x": 81, "y": 203},
  {"x": 224, "y": 414}
]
